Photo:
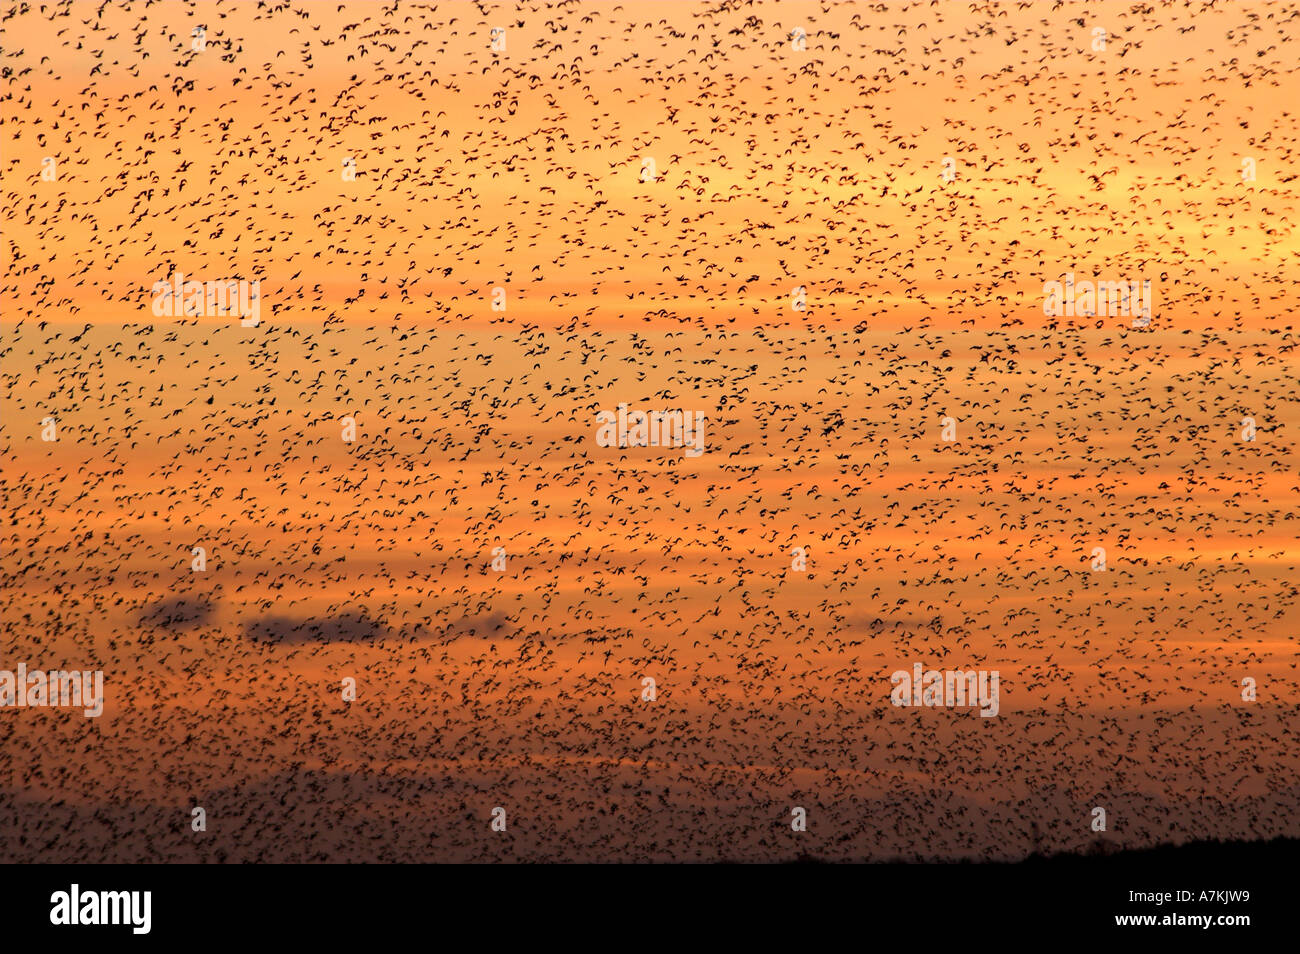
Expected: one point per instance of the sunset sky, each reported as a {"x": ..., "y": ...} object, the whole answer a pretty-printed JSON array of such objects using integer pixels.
[{"x": 775, "y": 169}]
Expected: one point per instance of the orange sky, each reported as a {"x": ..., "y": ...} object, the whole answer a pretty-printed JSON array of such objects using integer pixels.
[{"x": 776, "y": 169}]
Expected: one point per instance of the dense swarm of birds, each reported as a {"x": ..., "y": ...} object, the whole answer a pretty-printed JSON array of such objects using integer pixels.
[{"x": 652, "y": 187}]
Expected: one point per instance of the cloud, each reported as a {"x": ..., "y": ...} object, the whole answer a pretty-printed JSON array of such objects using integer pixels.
[
  {"x": 181, "y": 612},
  {"x": 344, "y": 628},
  {"x": 491, "y": 626}
]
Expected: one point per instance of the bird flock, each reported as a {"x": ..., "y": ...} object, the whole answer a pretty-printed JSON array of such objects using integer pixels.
[{"x": 362, "y": 581}]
